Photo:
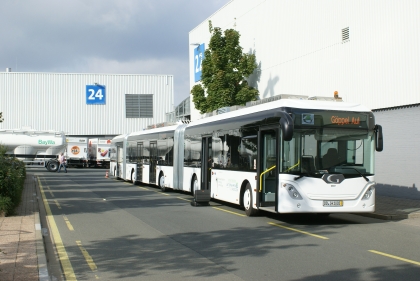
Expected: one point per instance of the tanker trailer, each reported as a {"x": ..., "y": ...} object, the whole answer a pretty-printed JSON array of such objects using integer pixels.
[{"x": 33, "y": 146}]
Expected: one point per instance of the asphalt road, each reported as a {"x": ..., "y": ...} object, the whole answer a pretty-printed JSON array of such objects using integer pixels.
[{"x": 106, "y": 229}]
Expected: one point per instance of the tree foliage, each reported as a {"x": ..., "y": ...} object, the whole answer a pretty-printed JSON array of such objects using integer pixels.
[
  {"x": 224, "y": 72},
  {"x": 12, "y": 179},
  {"x": 1, "y": 117}
]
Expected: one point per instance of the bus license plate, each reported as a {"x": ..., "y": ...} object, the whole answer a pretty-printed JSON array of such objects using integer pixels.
[{"x": 338, "y": 203}]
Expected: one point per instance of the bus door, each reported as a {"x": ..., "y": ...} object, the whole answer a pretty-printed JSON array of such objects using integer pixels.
[
  {"x": 140, "y": 160},
  {"x": 153, "y": 162},
  {"x": 268, "y": 168},
  {"x": 206, "y": 162},
  {"x": 120, "y": 157}
]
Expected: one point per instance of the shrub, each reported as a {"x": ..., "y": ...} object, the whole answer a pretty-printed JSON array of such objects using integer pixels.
[{"x": 12, "y": 179}]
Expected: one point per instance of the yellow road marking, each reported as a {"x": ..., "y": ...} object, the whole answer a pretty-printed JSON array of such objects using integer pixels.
[
  {"x": 162, "y": 193},
  {"x": 238, "y": 214},
  {"x": 51, "y": 193},
  {"x": 68, "y": 223},
  {"x": 297, "y": 230},
  {"x": 62, "y": 254},
  {"x": 88, "y": 258},
  {"x": 394, "y": 257},
  {"x": 184, "y": 199},
  {"x": 56, "y": 203},
  {"x": 143, "y": 188}
]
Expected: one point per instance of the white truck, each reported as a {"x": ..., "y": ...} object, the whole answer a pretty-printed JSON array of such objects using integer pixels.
[
  {"x": 99, "y": 152},
  {"x": 34, "y": 147},
  {"x": 77, "y": 152}
]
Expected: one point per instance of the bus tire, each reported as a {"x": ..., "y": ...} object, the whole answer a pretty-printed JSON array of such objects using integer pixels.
[
  {"x": 248, "y": 203},
  {"x": 194, "y": 185},
  {"x": 162, "y": 182},
  {"x": 133, "y": 179}
]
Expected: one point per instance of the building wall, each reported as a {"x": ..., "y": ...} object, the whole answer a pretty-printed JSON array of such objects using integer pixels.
[
  {"x": 299, "y": 48},
  {"x": 397, "y": 165},
  {"x": 57, "y": 101}
]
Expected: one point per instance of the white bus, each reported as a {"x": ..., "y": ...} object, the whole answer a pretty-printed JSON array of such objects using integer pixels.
[
  {"x": 293, "y": 155},
  {"x": 117, "y": 156}
]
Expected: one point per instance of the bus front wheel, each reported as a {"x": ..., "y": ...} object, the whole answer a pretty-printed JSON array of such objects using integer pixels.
[{"x": 247, "y": 200}]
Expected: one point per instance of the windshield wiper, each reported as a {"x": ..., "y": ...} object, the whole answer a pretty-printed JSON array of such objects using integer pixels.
[{"x": 357, "y": 172}]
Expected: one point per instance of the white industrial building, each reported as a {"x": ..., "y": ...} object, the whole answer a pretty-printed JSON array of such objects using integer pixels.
[
  {"x": 368, "y": 51},
  {"x": 103, "y": 105}
]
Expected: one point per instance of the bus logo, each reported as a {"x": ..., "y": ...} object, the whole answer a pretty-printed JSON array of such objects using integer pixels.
[
  {"x": 308, "y": 119},
  {"x": 333, "y": 178}
]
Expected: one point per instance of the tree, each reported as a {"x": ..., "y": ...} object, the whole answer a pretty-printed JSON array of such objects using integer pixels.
[
  {"x": 1, "y": 117},
  {"x": 224, "y": 72}
]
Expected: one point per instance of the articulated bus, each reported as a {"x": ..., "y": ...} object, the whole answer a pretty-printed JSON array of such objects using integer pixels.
[
  {"x": 293, "y": 155},
  {"x": 117, "y": 156}
]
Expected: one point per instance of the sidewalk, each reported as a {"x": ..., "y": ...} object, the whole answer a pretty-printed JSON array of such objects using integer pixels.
[
  {"x": 22, "y": 252},
  {"x": 393, "y": 208}
]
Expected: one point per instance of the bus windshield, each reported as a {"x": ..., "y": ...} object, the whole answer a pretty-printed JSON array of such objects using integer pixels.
[{"x": 314, "y": 152}]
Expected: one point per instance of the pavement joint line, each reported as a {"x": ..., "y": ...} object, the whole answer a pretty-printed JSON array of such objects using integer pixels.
[
  {"x": 55, "y": 235},
  {"x": 298, "y": 230},
  {"x": 220, "y": 209},
  {"x": 394, "y": 257},
  {"x": 88, "y": 257}
]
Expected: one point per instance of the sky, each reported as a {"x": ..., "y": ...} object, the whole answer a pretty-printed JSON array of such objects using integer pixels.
[{"x": 102, "y": 36}]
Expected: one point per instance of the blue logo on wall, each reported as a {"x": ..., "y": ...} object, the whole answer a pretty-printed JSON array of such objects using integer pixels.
[
  {"x": 198, "y": 59},
  {"x": 95, "y": 94}
]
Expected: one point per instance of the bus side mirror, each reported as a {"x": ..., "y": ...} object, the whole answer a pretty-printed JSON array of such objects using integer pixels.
[
  {"x": 379, "y": 138},
  {"x": 287, "y": 126}
]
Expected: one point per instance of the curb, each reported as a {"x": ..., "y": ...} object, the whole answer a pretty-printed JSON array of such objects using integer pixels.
[
  {"x": 384, "y": 217},
  {"x": 40, "y": 250}
]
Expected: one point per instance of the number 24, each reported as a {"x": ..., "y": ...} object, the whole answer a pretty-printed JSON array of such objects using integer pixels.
[
  {"x": 198, "y": 59},
  {"x": 94, "y": 95}
]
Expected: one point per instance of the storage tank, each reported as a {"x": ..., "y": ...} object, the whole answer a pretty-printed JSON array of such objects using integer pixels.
[{"x": 30, "y": 144}]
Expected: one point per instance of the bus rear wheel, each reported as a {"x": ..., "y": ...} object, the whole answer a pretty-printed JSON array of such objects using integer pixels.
[
  {"x": 133, "y": 177},
  {"x": 162, "y": 183},
  {"x": 248, "y": 202},
  {"x": 194, "y": 185}
]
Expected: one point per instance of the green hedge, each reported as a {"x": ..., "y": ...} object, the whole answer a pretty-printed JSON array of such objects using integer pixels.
[{"x": 12, "y": 179}]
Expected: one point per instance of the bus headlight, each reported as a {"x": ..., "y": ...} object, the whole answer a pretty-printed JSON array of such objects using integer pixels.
[
  {"x": 292, "y": 191},
  {"x": 368, "y": 193}
]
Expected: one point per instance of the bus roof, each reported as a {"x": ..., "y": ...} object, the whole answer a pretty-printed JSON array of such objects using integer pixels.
[{"x": 285, "y": 103}]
